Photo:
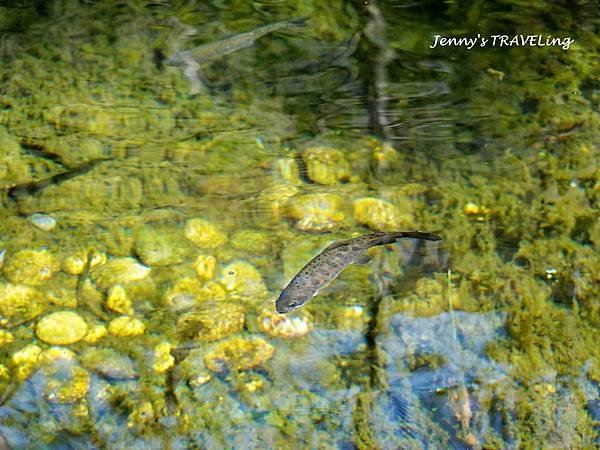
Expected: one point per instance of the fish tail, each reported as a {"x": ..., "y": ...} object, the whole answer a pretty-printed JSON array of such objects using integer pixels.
[
  {"x": 420, "y": 235},
  {"x": 298, "y": 21},
  {"x": 393, "y": 237}
]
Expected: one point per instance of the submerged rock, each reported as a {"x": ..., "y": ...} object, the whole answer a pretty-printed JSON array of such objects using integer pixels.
[
  {"x": 163, "y": 360},
  {"x": 277, "y": 325},
  {"x": 317, "y": 212},
  {"x": 159, "y": 246},
  {"x": 65, "y": 382},
  {"x": 380, "y": 215},
  {"x": 272, "y": 200},
  {"x": 205, "y": 266},
  {"x": 25, "y": 360},
  {"x": 109, "y": 363},
  {"x": 126, "y": 326},
  {"x": 117, "y": 300},
  {"x": 179, "y": 302},
  {"x": 75, "y": 264},
  {"x": 119, "y": 271},
  {"x": 238, "y": 354},
  {"x": 204, "y": 234},
  {"x": 189, "y": 292},
  {"x": 252, "y": 241},
  {"x": 29, "y": 353},
  {"x": 62, "y": 291},
  {"x": 326, "y": 165},
  {"x": 61, "y": 328},
  {"x": 241, "y": 278},
  {"x": 141, "y": 417},
  {"x": 287, "y": 169},
  {"x": 43, "y": 221},
  {"x": 19, "y": 304},
  {"x": 95, "y": 333},
  {"x": 427, "y": 298},
  {"x": 30, "y": 267},
  {"x": 212, "y": 321},
  {"x": 6, "y": 337}
]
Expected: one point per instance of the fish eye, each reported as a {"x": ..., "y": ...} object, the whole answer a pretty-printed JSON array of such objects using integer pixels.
[{"x": 231, "y": 272}]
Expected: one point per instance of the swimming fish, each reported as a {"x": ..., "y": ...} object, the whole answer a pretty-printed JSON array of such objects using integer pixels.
[
  {"x": 193, "y": 58},
  {"x": 328, "y": 264}
]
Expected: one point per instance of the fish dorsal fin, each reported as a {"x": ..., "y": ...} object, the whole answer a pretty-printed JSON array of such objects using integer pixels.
[{"x": 336, "y": 244}]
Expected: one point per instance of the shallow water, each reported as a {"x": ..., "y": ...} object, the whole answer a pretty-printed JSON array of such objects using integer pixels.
[{"x": 168, "y": 221}]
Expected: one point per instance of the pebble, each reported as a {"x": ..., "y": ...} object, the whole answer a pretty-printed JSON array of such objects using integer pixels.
[
  {"x": 205, "y": 266},
  {"x": 126, "y": 326},
  {"x": 238, "y": 354},
  {"x": 204, "y": 234},
  {"x": 317, "y": 212},
  {"x": 109, "y": 363},
  {"x": 95, "y": 333},
  {"x": 6, "y": 337},
  {"x": 380, "y": 215},
  {"x": 117, "y": 300},
  {"x": 65, "y": 383},
  {"x": 212, "y": 321},
  {"x": 43, "y": 221},
  {"x": 19, "y": 304},
  {"x": 119, "y": 271},
  {"x": 163, "y": 360},
  {"x": 286, "y": 326},
  {"x": 61, "y": 328},
  {"x": 30, "y": 267}
]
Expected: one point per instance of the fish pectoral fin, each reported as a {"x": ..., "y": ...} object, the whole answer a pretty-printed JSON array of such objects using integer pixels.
[
  {"x": 191, "y": 73},
  {"x": 364, "y": 259},
  {"x": 333, "y": 288}
]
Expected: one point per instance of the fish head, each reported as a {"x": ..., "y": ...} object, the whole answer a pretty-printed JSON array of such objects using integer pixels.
[{"x": 288, "y": 301}]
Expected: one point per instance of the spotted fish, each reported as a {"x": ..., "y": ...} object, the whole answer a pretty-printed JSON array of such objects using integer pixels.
[
  {"x": 192, "y": 59},
  {"x": 328, "y": 264}
]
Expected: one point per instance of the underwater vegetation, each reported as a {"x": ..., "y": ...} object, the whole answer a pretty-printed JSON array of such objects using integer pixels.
[{"x": 145, "y": 232}]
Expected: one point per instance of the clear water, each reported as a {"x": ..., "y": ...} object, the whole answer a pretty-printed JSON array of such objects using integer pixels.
[{"x": 352, "y": 123}]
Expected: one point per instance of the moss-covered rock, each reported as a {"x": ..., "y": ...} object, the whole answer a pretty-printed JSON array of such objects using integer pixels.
[
  {"x": 211, "y": 321},
  {"x": 61, "y": 328},
  {"x": 119, "y": 271},
  {"x": 19, "y": 304},
  {"x": 204, "y": 234},
  {"x": 274, "y": 324},
  {"x": 156, "y": 245},
  {"x": 125, "y": 326},
  {"x": 317, "y": 212},
  {"x": 242, "y": 279},
  {"x": 326, "y": 165},
  {"x": 380, "y": 215},
  {"x": 238, "y": 354},
  {"x": 31, "y": 267}
]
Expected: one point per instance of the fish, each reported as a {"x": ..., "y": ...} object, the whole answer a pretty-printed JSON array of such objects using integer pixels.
[
  {"x": 328, "y": 264},
  {"x": 192, "y": 59}
]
